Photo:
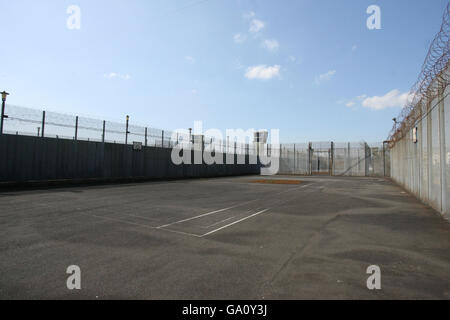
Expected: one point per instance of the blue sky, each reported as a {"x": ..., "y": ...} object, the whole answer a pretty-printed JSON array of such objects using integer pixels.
[{"x": 310, "y": 68}]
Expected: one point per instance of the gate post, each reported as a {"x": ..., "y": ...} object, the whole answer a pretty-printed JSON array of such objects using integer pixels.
[
  {"x": 295, "y": 160},
  {"x": 310, "y": 158},
  {"x": 332, "y": 159},
  {"x": 147, "y": 136},
  {"x": 76, "y": 128},
  {"x": 367, "y": 159},
  {"x": 103, "y": 131},
  {"x": 43, "y": 124}
]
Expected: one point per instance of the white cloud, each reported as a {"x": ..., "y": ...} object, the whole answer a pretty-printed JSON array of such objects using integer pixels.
[
  {"x": 270, "y": 44},
  {"x": 115, "y": 75},
  {"x": 256, "y": 26},
  {"x": 350, "y": 104},
  {"x": 248, "y": 15},
  {"x": 354, "y": 47},
  {"x": 238, "y": 64},
  {"x": 263, "y": 72},
  {"x": 190, "y": 59},
  {"x": 239, "y": 38},
  {"x": 111, "y": 75},
  {"x": 324, "y": 77},
  {"x": 392, "y": 99},
  {"x": 361, "y": 97},
  {"x": 292, "y": 58},
  {"x": 194, "y": 91}
]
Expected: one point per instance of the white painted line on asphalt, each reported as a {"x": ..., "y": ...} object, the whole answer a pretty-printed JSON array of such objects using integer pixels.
[
  {"x": 235, "y": 222},
  {"x": 215, "y": 224},
  {"x": 116, "y": 220},
  {"x": 229, "y": 208},
  {"x": 225, "y": 209},
  {"x": 196, "y": 217},
  {"x": 180, "y": 232}
]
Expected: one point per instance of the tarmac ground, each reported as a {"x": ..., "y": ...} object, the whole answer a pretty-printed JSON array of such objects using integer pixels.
[{"x": 223, "y": 238}]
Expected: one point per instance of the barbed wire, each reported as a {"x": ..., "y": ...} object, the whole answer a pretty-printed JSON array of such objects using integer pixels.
[
  {"x": 433, "y": 80},
  {"x": 27, "y": 120}
]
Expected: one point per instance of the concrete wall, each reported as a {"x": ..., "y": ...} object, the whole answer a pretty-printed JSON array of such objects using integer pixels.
[
  {"x": 25, "y": 158},
  {"x": 423, "y": 167}
]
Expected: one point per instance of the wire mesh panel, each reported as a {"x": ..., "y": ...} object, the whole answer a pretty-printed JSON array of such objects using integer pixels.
[
  {"x": 136, "y": 134},
  {"x": 115, "y": 132},
  {"x": 21, "y": 120},
  {"x": 89, "y": 129},
  {"x": 446, "y": 166},
  {"x": 321, "y": 157},
  {"x": 340, "y": 159},
  {"x": 421, "y": 163},
  {"x": 376, "y": 159},
  {"x": 435, "y": 184}
]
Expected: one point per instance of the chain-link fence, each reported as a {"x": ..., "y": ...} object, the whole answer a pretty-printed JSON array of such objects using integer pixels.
[
  {"x": 337, "y": 159},
  {"x": 421, "y": 159},
  {"x": 28, "y": 121},
  {"x": 420, "y": 139}
]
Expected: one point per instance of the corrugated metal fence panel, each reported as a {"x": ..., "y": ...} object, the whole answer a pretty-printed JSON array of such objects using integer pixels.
[{"x": 424, "y": 167}]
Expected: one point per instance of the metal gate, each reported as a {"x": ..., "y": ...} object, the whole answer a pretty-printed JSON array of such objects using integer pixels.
[
  {"x": 321, "y": 159},
  {"x": 335, "y": 159}
]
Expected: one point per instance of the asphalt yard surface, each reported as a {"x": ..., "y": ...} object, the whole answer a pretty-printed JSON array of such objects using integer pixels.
[{"x": 224, "y": 238}]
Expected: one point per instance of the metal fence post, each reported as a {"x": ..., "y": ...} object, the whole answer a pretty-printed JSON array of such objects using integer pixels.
[
  {"x": 76, "y": 128},
  {"x": 349, "y": 159},
  {"x": 43, "y": 124},
  {"x": 442, "y": 146},
  {"x": 295, "y": 159},
  {"x": 162, "y": 139},
  {"x": 384, "y": 160},
  {"x": 103, "y": 133},
  {"x": 310, "y": 158},
  {"x": 126, "y": 130},
  {"x": 3, "y": 116},
  {"x": 145, "y": 136},
  {"x": 332, "y": 159}
]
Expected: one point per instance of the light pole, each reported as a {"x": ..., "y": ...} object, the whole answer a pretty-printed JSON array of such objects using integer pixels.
[
  {"x": 127, "y": 132},
  {"x": 395, "y": 123},
  {"x": 3, "y": 116}
]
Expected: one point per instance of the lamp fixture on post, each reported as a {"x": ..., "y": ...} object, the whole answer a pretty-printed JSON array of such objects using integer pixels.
[{"x": 3, "y": 116}]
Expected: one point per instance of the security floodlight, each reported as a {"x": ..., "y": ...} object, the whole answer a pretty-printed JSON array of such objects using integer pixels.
[{"x": 4, "y": 95}]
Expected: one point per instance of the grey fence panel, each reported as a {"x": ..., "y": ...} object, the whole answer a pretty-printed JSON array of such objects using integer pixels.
[
  {"x": 339, "y": 159},
  {"x": 446, "y": 174},
  {"x": 422, "y": 166},
  {"x": 26, "y": 158}
]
